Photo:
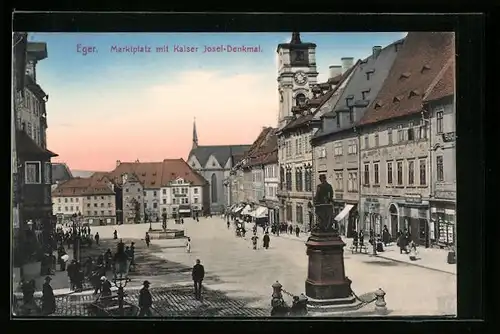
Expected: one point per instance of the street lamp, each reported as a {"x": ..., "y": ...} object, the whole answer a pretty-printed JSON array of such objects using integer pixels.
[
  {"x": 372, "y": 221},
  {"x": 120, "y": 279}
]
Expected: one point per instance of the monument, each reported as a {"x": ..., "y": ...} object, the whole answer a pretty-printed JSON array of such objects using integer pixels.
[
  {"x": 327, "y": 288},
  {"x": 164, "y": 232}
]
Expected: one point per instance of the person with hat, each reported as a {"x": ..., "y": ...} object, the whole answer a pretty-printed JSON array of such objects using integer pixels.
[
  {"x": 198, "y": 274},
  {"x": 145, "y": 300},
  {"x": 105, "y": 287},
  {"x": 48, "y": 298}
]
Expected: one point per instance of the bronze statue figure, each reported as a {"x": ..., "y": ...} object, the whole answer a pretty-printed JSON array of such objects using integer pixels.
[{"x": 323, "y": 203}]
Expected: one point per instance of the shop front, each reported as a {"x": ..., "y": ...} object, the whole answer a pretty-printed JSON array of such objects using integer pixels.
[
  {"x": 346, "y": 219},
  {"x": 442, "y": 226},
  {"x": 184, "y": 211},
  {"x": 413, "y": 216},
  {"x": 372, "y": 219}
]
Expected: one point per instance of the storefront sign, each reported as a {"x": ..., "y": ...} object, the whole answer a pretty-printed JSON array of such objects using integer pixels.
[
  {"x": 413, "y": 198},
  {"x": 370, "y": 199}
]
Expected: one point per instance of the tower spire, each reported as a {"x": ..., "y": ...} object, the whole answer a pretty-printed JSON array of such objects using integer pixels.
[
  {"x": 296, "y": 38},
  {"x": 195, "y": 135}
]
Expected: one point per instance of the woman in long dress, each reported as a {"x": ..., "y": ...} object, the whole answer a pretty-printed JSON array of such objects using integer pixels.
[{"x": 188, "y": 245}]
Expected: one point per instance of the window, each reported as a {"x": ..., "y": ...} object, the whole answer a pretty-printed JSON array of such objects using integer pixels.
[
  {"x": 288, "y": 212},
  {"x": 58, "y": 208},
  {"x": 110, "y": 212},
  {"x": 423, "y": 173},
  {"x": 298, "y": 179},
  {"x": 102, "y": 205},
  {"x": 353, "y": 147},
  {"x": 367, "y": 144},
  {"x": 364, "y": 95},
  {"x": 76, "y": 200},
  {"x": 288, "y": 179},
  {"x": 376, "y": 140},
  {"x": 102, "y": 212},
  {"x": 366, "y": 180},
  {"x": 164, "y": 201},
  {"x": 88, "y": 205},
  {"x": 109, "y": 205},
  {"x": 71, "y": 208},
  {"x": 439, "y": 122},
  {"x": 299, "y": 146},
  {"x": 375, "y": 174},
  {"x": 282, "y": 178},
  {"x": 389, "y": 136},
  {"x": 411, "y": 134},
  {"x": 32, "y": 172},
  {"x": 400, "y": 173},
  {"x": 337, "y": 149},
  {"x": 308, "y": 179},
  {"x": 338, "y": 181},
  {"x": 89, "y": 213},
  {"x": 95, "y": 197},
  {"x": 95, "y": 205},
  {"x": 88, "y": 197},
  {"x": 71, "y": 199},
  {"x": 29, "y": 130},
  {"x": 322, "y": 152},
  {"x": 352, "y": 184},
  {"x": 102, "y": 197},
  {"x": 423, "y": 130},
  {"x": 195, "y": 191},
  {"x": 213, "y": 186},
  {"x": 411, "y": 172},
  {"x": 196, "y": 200},
  {"x": 126, "y": 190},
  {"x": 401, "y": 135},
  {"x": 154, "y": 193},
  {"x": 65, "y": 208},
  {"x": 439, "y": 167},
  {"x": 164, "y": 191},
  {"x": 65, "y": 200},
  {"x": 174, "y": 200},
  {"x": 47, "y": 175},
  {"x": 155, "y": 205},
  {"x": 300, "y": 214},
  {"x": 300, "y": 99}
]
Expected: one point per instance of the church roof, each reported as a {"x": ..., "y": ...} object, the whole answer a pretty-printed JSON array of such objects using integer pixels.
[{"x": 221, "y": 153}]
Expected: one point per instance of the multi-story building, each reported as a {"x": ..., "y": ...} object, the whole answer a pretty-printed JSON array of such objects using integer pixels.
[
  {"x": 133, "y": 199},
  {"x": 302, "y": 102},
  {"x": 214, "y": 162},
  {"x": 271, "y": 182},
  {"x": 231, "y": 182},
  {"x": 60, "y": 173},
  {"x": 32, "y": 175},
  {"x": 336, "y": 142},
  {"x": 440, "y": 109},
  {"x": 91, "y": 199},
  {"x": 394, "y": 145}
]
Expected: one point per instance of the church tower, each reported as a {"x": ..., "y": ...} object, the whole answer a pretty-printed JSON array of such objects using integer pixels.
[
  {"x": 195, "y": 136},
  {"x": 297, "y": 75}
]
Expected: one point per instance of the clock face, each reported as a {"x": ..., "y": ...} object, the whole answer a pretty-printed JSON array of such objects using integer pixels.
[{"x": 300, "y": 78}]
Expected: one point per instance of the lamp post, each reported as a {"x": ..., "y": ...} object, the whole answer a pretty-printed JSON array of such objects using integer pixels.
[
  {"x": 120, "y": 279},
  {"x": 372, "y": 224}
]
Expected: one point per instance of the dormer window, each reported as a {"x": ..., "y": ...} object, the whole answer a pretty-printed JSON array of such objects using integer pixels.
[
  {"x": 405, "y": 75},
  {"x": 348, "y": 99},
  {"x": 338, "y": 120},
  {"x": 351, "y": 115},
  {"x": 363, "y": 95},
  {"x": 425, "y": 68},
  {"x": 396, "y": 99},
  {"x": 377, "y": 105},
  {"x": 413, "y": 93},
  {"x": 369, "y": 73}
]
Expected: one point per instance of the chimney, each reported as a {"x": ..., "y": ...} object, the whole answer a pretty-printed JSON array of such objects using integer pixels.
[
  {"x": 118, "y": 162},
  {"x": 335, "y": 70},
  {"x": 347, "y": 63},
  {"x": 376, "y": 51}
]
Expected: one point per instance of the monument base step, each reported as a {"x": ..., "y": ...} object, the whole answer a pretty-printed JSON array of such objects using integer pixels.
[
  {"x": 168, "y": 234},
  {"x": 327, "y": 307}
]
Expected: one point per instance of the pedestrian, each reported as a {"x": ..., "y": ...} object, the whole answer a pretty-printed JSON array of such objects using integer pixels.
[
  {"x": 132, "y": 255},
  {"x": 386, "y": 236},
  {"x": 105, "y": 287},
  {"x": 48, "y": 298},
  {"x": 297, "y": 231},
  {"x": 290, "y": 229},
  {"x": 228, "y": 224},
  {"x": 413, "y": 251},
  {"x": 265, "y": 240},
  {"x": 64, "y": 260},
  {"x": 147, "y": 239},
  {"x": 188, "y": 245},
  {"x": 96, "y": 238},
  {"x": 145, "y": 300},
  {"x": 254, "y": 240},
  {"x": 361, "y": 238},
  {"x": 198, "y": 275},
  {"x": 95, "y": 280},
  {"x": 115, "y": 235},
  {"x": 402, "y": 243}
]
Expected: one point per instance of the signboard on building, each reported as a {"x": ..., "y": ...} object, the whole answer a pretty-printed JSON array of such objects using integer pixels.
[{"x": 413, "y": 198}]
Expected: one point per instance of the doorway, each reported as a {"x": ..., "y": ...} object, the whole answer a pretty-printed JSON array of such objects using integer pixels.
[{"x": 393, "y": 213}]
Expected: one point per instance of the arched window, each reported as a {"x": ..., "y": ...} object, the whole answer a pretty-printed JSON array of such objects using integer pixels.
[
  {"x": 300, "y": 99},
  {"x": 213, "y": 186}
]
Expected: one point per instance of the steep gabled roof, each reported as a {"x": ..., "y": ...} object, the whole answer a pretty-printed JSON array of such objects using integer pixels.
[
  {"x": 78, "y": 186},
  {"x": 263, "y": 148},
  {"x": 445, "y": 83},
  {"x": 420, "y": 60},
  {"x": 178, "y": 168},
  {"x": 221, "y": 153},
  {"x": 148, "y": 173}
]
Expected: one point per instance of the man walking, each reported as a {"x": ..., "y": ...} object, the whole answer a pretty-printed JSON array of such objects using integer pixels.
[
  {"x": 145, "y": 300},
  {"x": 198, "y": 275}
]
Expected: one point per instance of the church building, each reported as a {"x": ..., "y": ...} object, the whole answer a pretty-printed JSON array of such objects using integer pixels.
[{"x": 214, "y": 163}]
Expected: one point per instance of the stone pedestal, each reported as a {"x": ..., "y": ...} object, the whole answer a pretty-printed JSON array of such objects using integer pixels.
[
  {"x": 166, "y": 234},
  {"x": 327, "y": 288}
]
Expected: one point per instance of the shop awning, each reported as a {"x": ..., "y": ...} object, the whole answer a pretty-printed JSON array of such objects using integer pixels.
[
  {"x": 184, "y": 210},
  {"x": 344, "y": 212},
  {"x": 246, "y": 210},
  {"x": 259, "y": 212}
]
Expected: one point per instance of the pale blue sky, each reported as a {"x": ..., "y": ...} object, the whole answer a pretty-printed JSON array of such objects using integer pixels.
[{"x": 103, "y": 95}]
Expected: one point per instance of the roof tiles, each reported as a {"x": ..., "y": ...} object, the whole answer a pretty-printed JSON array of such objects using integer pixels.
[
  {"x": 445, "y": 83},
  {"x": 423, "y": 55}
]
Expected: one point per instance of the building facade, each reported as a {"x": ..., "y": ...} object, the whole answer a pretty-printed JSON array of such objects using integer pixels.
[
  {"x": 214, "y": 163},
  {"x": 394, "y": 141},
  {"x": 271, "y": 186},
  {"x": 336, "y": 143},
  {"x": 440, "y": 106},
  {"x": 133, "y": 199}
]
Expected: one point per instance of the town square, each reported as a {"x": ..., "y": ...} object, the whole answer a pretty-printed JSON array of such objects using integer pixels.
[{"x": 294, "y": 181}]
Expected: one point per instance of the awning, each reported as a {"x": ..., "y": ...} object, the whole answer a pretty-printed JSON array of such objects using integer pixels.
[
  {"x": 184, "y": 211},
  {"x": 238, "y": 209},
  {"x": 246, "y": 210},
  {"x": 260, "y": 212},
  {"x": 344, "y": 212}
]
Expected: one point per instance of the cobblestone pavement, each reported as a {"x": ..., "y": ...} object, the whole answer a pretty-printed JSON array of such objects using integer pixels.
[
  {"x": 167, "y": 302},
  {"x": 233, "y": 267}
]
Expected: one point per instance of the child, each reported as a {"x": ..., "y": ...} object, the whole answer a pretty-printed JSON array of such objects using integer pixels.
[
  {"x": 188, "y": 245},
  {"x": 413, "y": 251}
]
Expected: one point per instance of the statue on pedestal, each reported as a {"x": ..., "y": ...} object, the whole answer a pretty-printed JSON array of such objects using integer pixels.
[{"x": 323, "y": 204}]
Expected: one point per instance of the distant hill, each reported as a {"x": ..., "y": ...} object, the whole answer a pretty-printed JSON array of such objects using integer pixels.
[{"x": 82, "y": 173}]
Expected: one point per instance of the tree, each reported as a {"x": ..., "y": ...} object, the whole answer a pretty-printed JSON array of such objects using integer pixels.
[{"x": 136, "y": 210}]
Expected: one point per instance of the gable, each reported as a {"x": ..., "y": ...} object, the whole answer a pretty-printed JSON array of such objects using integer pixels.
[
  {"x": 212, "y": 162},
  {"x": 194, "y": 163},
  {"x": 228, "y": 164}
]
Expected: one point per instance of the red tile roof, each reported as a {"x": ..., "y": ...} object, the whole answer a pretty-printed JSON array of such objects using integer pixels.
[
  {"x": 304, "y": 119},
  {"x": 417, "y": 64},
  {"x": 148, "y": 173},
  {"x": 78, "y": 186},
  {"x": 265, "y": 148},
  {"x": 178, "y": 168},
  {"x": 445, "y": 83}
]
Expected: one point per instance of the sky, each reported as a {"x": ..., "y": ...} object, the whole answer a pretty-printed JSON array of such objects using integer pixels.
[{"x": 108, "y": 105}]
